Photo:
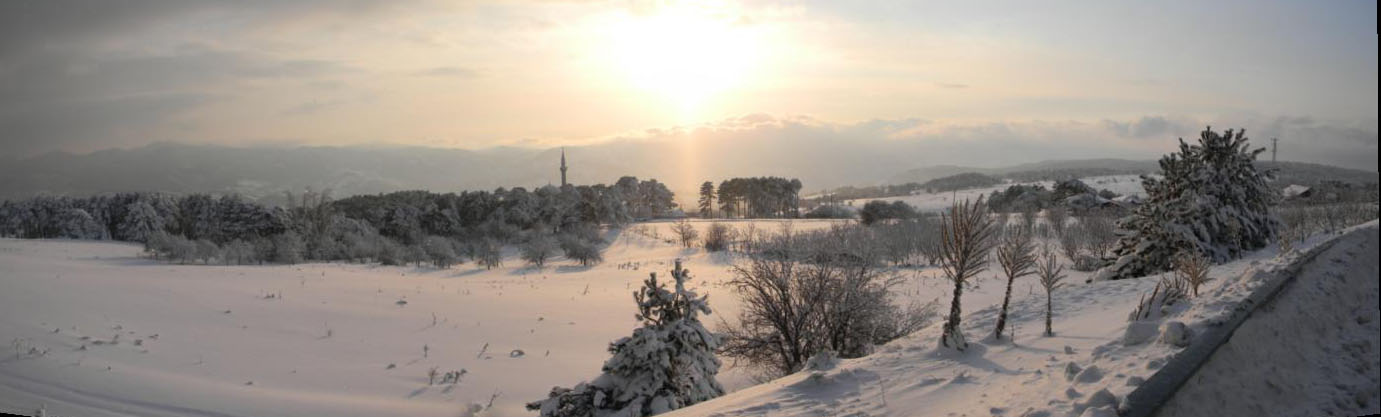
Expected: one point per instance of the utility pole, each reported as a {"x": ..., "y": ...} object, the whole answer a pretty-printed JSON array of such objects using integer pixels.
[{"x": 1273, "y": 149}]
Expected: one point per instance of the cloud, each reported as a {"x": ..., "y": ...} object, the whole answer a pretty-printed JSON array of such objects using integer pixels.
[
  {"x": 448, "y": 71},
  {"x": 1149, "y": 127},
  {"x": 96, "y": 124},
  {"x": 952, "y": 85},
  {"x": 313, "y": 107}
]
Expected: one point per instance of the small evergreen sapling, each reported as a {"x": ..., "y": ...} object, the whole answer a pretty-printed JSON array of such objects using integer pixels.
[
  {"x": 666, "y": 364},
  {"x": 966, "y": 238},
  {"x": 1016, "y": 256},
  {"x": 1051, "y": 274}
]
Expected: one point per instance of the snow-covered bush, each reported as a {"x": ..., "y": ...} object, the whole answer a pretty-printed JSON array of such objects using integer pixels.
[
  {"x": 717, "y": 237},
  {"x": 666, "y": 364},
  {"x": 440, "y": 251},
  {"x": 538, "y": 249},
  {"x": 488, "y": 253},
  {"x": 581, "y": 250},
  {"x": 685, "y": 232},
  {"x": 1209, "y": 199}
]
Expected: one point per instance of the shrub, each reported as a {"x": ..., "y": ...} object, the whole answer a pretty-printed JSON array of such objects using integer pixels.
[
  {"x": 717, "y": 237},
  {"x": 581, "y": 250},
  {"x": 538, "y": 249},
  {"x": 668, "y": 363}
]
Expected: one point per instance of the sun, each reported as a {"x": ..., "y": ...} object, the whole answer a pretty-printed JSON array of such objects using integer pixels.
[{"x": 686, "y": 54}]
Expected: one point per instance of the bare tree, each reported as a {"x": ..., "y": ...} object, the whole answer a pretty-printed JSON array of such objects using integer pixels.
[
  {"x": 1016, "y": 256},
  {"x": 1057, "y": 216},
  {"x": 966, "y": 236},
  {"x": 685, "y": 232},
  {"x": 808, "y": 292},
  {"x": 1028, "y": 219},
  {"x": 717, "y": 237},
  {"x": 1071, "y": 240},
  {"x": 1192, "y": 270},
  {"x": 1099, "y": 234},
  {"x": 1051, "y": 273}
]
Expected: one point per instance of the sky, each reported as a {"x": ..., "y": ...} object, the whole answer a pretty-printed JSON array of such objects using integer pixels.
[{"x": 1050, "y": 78}]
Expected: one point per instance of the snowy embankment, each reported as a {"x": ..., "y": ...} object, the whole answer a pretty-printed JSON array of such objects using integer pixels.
[
  {"x": 1312, "y": 350},
  {"x": 1088, "y": 368}
]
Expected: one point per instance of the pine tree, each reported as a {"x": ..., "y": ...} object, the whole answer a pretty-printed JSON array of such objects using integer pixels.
[
  {"x": 1210, "y": 200},
  {"x": 666, "y": 364},
  {"x": 707, "y": 200}
]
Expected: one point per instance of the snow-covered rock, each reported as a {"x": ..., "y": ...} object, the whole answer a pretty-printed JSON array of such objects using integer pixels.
[
  {"x": 1175, "y": 333},
  {"x": 1139, "y": 332}
]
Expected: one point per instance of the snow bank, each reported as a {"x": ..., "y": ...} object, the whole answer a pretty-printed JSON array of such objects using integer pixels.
[{"x": 1312, "y": 350}]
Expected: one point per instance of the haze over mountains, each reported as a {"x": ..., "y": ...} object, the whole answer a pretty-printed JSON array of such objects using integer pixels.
[{"x": 264, "y": 173}]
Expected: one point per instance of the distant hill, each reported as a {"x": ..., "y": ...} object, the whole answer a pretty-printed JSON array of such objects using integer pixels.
[
  {"x": 1288, "y": 172},
  {"x": 1036, "y": 171},
  {"x": 961, "y": 182},
  {"x": 1305, "y": 173}
]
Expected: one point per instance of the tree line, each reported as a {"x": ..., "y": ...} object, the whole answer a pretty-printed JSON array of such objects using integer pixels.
[
  {"x": 399, "y": 227},
  {"x": 756, "y": 197}
]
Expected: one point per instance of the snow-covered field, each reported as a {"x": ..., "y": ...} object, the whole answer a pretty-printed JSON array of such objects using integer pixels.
[
  {"x": 934, "y": 202},
  {"x": 95, "y": 330},
  {"x": 209, "y": 340}
]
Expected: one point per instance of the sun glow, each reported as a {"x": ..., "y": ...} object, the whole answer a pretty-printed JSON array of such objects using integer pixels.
[{"x": 686, "y": 54}]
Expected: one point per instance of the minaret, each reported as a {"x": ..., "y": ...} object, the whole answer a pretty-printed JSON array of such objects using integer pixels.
[{"x": 563, "y": 167}]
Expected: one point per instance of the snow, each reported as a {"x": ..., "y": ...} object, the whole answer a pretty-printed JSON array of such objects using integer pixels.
[
  {"x": 1053, "y": 376},
  {"x": 1125, "y": 185},
  {"x": 333, "y": 340},
  {"x": 1328, "y": 362},
  {"x": 936, "y": 202},
  {"x": 228, "y": 345}
]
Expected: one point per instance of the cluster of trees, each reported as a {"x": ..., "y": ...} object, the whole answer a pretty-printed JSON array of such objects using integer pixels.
[
  {"x": 962, "y": 181},
  {"x": 137, "y": 216},
  {"x": 396, "y": 228},
  {"x": 759, "y": 197},
  {"x": 878, "y": 210},
  {"x": 1024, "y": 197}
]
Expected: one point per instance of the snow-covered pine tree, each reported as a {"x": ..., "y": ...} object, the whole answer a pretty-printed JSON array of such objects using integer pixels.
[
  {"x": 141, "y": 221},
  {"x": 1209, "y": 199},
  {"x": 666, "y": 364}
]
